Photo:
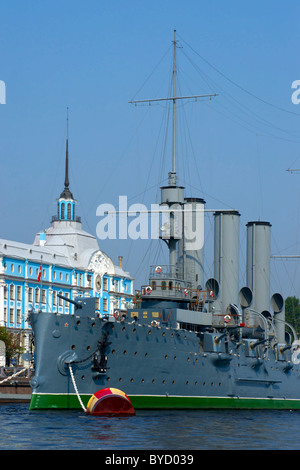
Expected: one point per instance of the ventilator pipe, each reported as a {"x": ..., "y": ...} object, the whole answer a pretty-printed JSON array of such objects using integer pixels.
[
  {"x": 257, "y": 343},
  {"x": 264, "y": 320}
]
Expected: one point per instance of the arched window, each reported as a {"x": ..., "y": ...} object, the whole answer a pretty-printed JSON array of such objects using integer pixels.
[
  {"x": 69, "y": 212},
  {"x": 62, "y": 210}
]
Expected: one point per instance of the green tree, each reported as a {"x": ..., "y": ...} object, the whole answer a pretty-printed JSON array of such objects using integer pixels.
[
  {"x": 292, "y": 312},
  {"x": 12, "y": 344}
]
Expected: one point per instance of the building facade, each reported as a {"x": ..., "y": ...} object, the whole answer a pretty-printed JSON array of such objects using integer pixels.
[{"x": 64, "y": 259}]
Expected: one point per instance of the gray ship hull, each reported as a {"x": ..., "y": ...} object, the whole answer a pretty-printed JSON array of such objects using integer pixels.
[{"x": 156, "y": 366}]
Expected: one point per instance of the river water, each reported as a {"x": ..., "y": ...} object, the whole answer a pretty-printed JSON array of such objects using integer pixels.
[{"x": 21, "y": 429}]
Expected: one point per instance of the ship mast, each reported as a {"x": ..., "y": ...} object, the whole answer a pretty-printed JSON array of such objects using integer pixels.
[
  {"x": 174, "y": 110},
  {"x": 173, "y": 195}
]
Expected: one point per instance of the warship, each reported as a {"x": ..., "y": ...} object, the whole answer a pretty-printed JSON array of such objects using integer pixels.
[{"x": 186, "y": 342}]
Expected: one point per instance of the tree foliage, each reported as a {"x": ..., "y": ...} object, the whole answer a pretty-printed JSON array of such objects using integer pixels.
[
  {"x": 12, "y": 343},
  {"x": 292, "y": 312}
]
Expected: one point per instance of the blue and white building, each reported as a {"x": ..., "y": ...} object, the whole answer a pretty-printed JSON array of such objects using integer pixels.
[{"x": 64, "y": 259}]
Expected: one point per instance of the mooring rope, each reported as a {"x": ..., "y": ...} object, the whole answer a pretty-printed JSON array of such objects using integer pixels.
[
  {"x": 14, "y": 375},
  {"x": 75, "y": 387}
]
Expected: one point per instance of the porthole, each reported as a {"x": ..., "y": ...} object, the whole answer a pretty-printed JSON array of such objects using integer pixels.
[
  {"x": 149, "y": 332},
  {"x": 78, "y": 323},
  {"x": 131, "y": 380},
  {"x": 163, "y": 381},
  {"x": 173, "y": 381},
  {"x": 123, "y": 329},
  {"x": 146, "y": 354},
  {"x": 135, "y": 353},
  {"x": 73, "y": 346},
  {"x": 142, "y": 381},
  {"x": 82, "y": 377},
  {"x": 120, "y": 379},
  {"x": 88, "y": 348},
  {"x": 113, "y": 351},
  {"x": 166, "y": 356},
  {"x": 153, "y": 381},
  {"x": 134, "y": 330},
  {"x": 124, "y": 352}
]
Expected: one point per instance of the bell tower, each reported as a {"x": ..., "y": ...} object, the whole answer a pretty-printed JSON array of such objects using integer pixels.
[{"x": 66, "y": 203}]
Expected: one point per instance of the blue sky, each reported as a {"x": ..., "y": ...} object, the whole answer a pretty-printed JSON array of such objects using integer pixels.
[{"x": 94, "y": 56}]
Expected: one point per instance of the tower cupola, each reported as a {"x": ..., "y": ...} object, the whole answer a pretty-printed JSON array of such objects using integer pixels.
[{"x": 66, "y": 203}]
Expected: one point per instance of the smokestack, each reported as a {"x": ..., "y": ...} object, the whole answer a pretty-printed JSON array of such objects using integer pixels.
[
  {"x": 190, "y": 247},
  {"x": 258, "y": 264},
  {"x": 226, "y": 257}
]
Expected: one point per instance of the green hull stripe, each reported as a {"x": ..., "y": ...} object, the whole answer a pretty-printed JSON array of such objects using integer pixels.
[{"x": 61, "y": 401}]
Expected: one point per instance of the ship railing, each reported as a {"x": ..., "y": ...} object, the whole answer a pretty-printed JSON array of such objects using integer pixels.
[
  {"x": 166, "y": 271},
  {"x": 171, "y": 289}
]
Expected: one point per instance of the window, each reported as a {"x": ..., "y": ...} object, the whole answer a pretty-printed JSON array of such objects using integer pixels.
[
  {"x": 12, "y": 268},
  {"x": 11, "y": 315},
  {"x": 18, "y": 315},
  {"x": 80, "y": 277},
  {"x": 60, "y": 301},
  {"x": 5, "y": 292},
  {"x": 19, "y": 269},
  {"x": 54, "y": 297},
  {"x": 44, "y": 296},
  {"x": 12, "y": 292},
  {"x": 30, "y": 270},
  {"x": 19, "y": 292},
  {"x": 5, "y": 314},
  {"x": 105, "y": 305},
  {"x": 30, "y": 294},
  {"x": 69, "y": 212},
  {"x": 54, "y": 275},
  {"x": 105, "y": 283},
  {"x": 37, "y": 295},
  {"x": 62, "y": 210}
]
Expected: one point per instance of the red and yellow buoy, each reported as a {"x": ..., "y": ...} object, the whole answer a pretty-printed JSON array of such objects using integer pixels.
[{"x": 110, "y": 402}]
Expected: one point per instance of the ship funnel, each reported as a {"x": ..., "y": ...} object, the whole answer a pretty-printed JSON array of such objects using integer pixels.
[
  {"x": 226, "y": 256},
  {"x": 190, "y": 247},
  {"x": 258, "y": 266},
  {"x": 277, "y": 304}
]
